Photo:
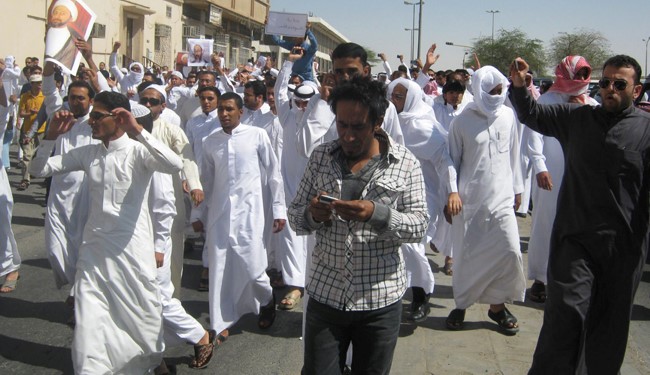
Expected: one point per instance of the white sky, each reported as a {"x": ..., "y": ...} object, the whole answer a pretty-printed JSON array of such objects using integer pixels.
[{"x": 379, "y": 24}]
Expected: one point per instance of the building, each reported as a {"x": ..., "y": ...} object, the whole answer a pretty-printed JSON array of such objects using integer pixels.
[
  {"x": 326, "y": 35},
  {"x": 151, "y": 31}
]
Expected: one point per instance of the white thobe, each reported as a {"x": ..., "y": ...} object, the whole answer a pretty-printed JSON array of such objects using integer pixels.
[
  {"x": 117, "y": 303},
  {"x": 67, "y": 205},
  {"x": 9, "y": 257},
  {"x": 236, "y": 168},
  {"x": 173, "y": 137},
  {"x": 488, "y": 266},
  {"x": 179, "y": 327},
  {"x": 291, "y": 250},
  {"x": 545, "y": 155},
  {"x": 445, "y": 114}
]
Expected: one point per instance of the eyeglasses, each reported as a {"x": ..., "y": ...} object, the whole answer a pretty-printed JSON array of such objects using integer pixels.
[
  {"x": 152, "y": 101},
  {"x": 96, "y": 116},
  {"x": 619, "y": 84}
]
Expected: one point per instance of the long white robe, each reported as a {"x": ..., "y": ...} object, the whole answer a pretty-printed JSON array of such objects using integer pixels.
[
  {"x": 488, "y": 265},
  {"x": 545, "y": 155},
  {"x": 231, "y": 172},
  {"x": 117, "y": 303},
  {"x": 424, "y": 138},
  {"x": 9, "y": 257},
  {"x": 67, "y": 205},
  {"x": 179, "y": 326}
]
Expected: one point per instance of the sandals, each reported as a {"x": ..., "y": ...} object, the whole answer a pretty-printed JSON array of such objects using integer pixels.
[
  {"x": 24, "y": 184},
  {"x": 290, "y": 301},
  {"x": 276, "y": 278},
  {"x": 447, "y": 269},
  {"x": 203, "y": 353},
  {"x": 267, "y": 315},
  {"x": 537, "y": 292},
  {"x": 506, "y": 321},
  {"x": 9, "y": 285},
  {"x": 456, "y": 320}
]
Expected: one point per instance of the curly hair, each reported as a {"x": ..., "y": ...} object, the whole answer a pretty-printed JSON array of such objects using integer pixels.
[
  {"x": 620, "y": 61},
  {"x": 370, "y": 94}
]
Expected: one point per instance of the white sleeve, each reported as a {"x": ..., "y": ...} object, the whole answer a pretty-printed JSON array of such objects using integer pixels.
[
  {"x": 315, "y": 124},
  {"x": 535, "y": 148},
  {"x": 163, "y": 210}
]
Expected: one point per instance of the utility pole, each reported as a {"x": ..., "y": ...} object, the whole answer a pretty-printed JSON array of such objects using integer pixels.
[
  {"x": 493, "y": 13},
  {"x": 419, "y": 29}
]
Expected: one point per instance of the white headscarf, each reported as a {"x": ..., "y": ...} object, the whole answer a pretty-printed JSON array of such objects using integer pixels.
[
  {"x": 417, "y": 119},
  {"x": 483, "y": 81},
  {"x": 71, "y": 7},
  {"x": 132, "y": 79}
]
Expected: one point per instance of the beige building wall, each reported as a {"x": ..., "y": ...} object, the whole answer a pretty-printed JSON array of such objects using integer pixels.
[{"x": 148, "y": 29}]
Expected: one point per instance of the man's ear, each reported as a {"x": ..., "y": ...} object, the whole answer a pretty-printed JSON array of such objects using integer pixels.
[
  {"x": 380, "y": 121},
  {"x": 366, "y": 70},
  {"x": 637, "y": 91}
]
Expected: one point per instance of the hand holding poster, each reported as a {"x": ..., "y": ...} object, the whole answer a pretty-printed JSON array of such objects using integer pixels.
[
  {"x": 199, "y": 51},
  {"x": 287, "y": 24},
  {"x": 67, "y": 21}
]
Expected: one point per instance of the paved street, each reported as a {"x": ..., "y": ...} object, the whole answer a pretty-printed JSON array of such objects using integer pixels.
[{"x": 35, "y": 339}]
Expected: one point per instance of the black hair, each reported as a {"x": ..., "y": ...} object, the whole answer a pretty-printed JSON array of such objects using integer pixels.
[
  {"x": 85, "y": 85},
  {"x": 203, "y": 72},
  {"x": 270, "y": 82},
  {"x": 352, "y": 50},
  {"x": 34, "y": 68},
  {"x": 620, "y": 61},
  {"x": 233, "y": 96},
  {"x": 112, "y": 100},
  {"x": 453, "y": 86},
  {"x": 210, "y": 88},
  {"x": 258, "y": 88},
  {"x": 143, "y": 86},
  {"x": 370, "y": 94}
]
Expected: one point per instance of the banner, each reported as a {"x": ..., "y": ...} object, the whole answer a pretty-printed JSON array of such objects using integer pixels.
[
  {"x": 287, "y": 24},
  {"x": 67, "y": 21},
  {"x": 199, "y": 51}
]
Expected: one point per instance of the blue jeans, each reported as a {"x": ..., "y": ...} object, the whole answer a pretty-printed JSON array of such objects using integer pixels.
[{"x": 329, "y": 332}]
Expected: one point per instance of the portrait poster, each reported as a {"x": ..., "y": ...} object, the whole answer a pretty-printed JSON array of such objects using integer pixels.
[
  {"x": 199, "y": 51},
  {"x": 67, "y": 21},
  {"x": 287, "y": 24}
]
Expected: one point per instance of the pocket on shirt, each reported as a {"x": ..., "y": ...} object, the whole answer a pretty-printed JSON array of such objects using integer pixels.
[
  {"x": 503, "y": 142},
  {"x": 120, "y": 190},
  {"x": 387, "y": 191}
]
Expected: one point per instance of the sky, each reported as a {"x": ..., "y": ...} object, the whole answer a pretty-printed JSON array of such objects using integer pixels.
[{"x": 379, "y": 24}]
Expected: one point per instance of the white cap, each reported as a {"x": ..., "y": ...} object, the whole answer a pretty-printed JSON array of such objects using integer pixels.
[
  {"x": 36, "y": 78},
  {"x": 72, "y": 7},
  {"x": 138, "y": 110}
]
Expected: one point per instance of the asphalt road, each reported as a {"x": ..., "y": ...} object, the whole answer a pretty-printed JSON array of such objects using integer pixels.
[{"x": 35, "y": 339}]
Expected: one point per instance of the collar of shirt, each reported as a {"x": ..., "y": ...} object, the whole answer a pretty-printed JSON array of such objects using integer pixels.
[{"x": 210, "y": 115}]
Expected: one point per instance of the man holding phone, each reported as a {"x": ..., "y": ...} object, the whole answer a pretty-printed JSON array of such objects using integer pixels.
[{"x": 375, "y": 202}]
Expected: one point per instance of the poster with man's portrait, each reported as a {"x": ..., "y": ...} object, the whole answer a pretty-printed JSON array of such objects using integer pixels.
[
  {"x": 67, "y": 21},
  {"x": 199, "y": 51}
]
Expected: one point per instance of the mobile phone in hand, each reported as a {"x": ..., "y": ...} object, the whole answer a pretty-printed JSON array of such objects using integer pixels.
[{"x": 326, "y": 199}]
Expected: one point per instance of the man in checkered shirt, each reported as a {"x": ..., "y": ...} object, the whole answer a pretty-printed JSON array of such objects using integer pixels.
[{"x": 357, "y": 276}]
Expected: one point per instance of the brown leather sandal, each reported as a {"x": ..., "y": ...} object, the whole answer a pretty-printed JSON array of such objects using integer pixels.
[{"x": 203, "y": 353}]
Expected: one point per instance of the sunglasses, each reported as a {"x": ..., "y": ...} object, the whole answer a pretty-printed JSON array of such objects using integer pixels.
[
  {"x": 619, "y": 84},
  {"x": 96, "y": 116},
  {"x": 152, "y": 101}
]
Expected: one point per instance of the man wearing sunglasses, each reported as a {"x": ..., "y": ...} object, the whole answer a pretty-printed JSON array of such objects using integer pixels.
[
  {"x": 115, "y": 284},
  {"x": 154, "y": 98},
  {"x": 600, "y": 234}
]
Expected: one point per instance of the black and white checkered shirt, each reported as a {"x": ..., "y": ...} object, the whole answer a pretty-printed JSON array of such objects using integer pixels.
[{"x": 354, "y": 266}]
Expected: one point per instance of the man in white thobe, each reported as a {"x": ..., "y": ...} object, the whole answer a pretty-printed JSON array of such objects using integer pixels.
[
  {"x": 484, "y": 146},
  {"x": 9, "y": 257},
  {"x": 117, "y": 304},
  {"x": 423, "y": 137},
  {"x": 572, "y": 76},
  {"x": 238, "y": 164}
]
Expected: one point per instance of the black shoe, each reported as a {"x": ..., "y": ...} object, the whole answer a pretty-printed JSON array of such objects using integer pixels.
[{"x": 419, "y": 311}]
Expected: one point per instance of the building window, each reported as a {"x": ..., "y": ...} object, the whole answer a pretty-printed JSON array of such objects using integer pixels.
[{"x": 169, "y": 11}]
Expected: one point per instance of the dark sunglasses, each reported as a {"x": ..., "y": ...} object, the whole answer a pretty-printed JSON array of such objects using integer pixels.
[
  {"x": 152, "y": 101},
  {"x": 619, "y": 84},
  {"x": 96, "y": 116}
]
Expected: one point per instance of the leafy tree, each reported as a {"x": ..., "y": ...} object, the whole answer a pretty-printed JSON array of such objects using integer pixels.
[
  {"x": 372, "y": 57},
  {"x": 591, "y": 45},
  {"x": 509, "y": 44}
]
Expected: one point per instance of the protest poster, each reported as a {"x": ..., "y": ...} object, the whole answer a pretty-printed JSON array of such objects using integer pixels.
[
  {"x": 67, "y": 21},
  {"x": 199, "y": 51},
  {"x": 287, "y": 24}
]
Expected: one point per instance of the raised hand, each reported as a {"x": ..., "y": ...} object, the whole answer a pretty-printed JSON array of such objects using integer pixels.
[
  {"x": 60, "y": 123},
  {"x": 518, "y": 70},
  {"x": 116, "y": 46},
  {"x": 431, "y": 56},
  {"x": 125, "y": 121}
]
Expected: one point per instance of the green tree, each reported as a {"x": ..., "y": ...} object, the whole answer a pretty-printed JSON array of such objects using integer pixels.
[
  {"x": 591, "y": 45},
  {"x": 372, "y": 57},
  {"x": 509, "y": 44}
]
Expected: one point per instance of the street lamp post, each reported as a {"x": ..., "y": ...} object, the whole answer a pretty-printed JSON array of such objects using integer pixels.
[
  {"x": 419, "y": 28},
  {"x": 412, "y": 36},
  {"x": 493, "y": 12},
  {"x": 461, "y": 46}
]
